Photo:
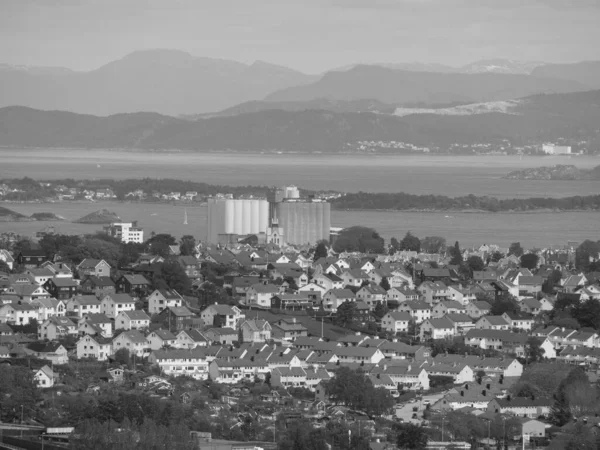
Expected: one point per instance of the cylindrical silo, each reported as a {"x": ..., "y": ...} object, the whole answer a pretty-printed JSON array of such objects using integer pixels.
[
  {"x": 229, "y": 227},
  {"x": 238, "y": 207},
  {"x": 247, "y": 216},
  {"x": 263, "y": 216}
]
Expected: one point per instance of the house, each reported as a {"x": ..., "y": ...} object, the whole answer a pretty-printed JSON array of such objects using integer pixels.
[
  {"x": 178, "y": 318},
  {"x": 191, "y": 266},
  {"x": 256, "y": 331},
  {"x": 132, "y": 320},
  {"x": 49, "y": 307},
  {"x": 288, "y": 329},
  {"x": 431, "y": 274},
  {"x": 328, "y": 281},
  {"x": 354, "y": 277},
  {"x": 18, "y": 313},
  {"x": 163, "y": 298},
  {"x": 396, "y": 322},
  {"x": 95, "y": 267},
  {"x": 55, "y": 328},
  {"x": 233, "y": 372},
  {"x": 44, "y": 378},
  {"x": 31, "y": 258},
  {"x": 400, "y": 350},
  {"x": 81, "y": 305},
  {"x": 519, "y": 321},
  {"x": 223, "y": 316},
  {"x": 500, "y": 340},
  {"x": 51, "y": 351},
  {"x": 447, "y": 307},
  {"x": 530, "y": 285},
  {"x": 99, "y": 286},
  {"x": 5, "y": 330},
  {"x": 159, "y": 339},
  {"x": 419, "y": 311},
  {"x": 26, "y": 292},
  {"x": 533, "y": 428},
  {"x": 359, "y": 355},
  {"x": 192, "y": 363},
  {"x": 408, "y": 375},
  {"x": 113, "y": 304},
  {"x": 335, "y": 297},
  {"x": 493, "y": 323},
  {"x": 478, "y": 309},
  {"x": 293, "y": 302},
  {"x": 134, "y": 341},
  {"x": 462, "y": 323},
  {"x": 288, "y": 271},
  {"x": 437, "y": 329},
  {"x": 371, "y": 295},
  {"x": 462, "y": 295},
  {"x": 224, "y": 336},
  {"x": 493, "y": 367},
  {"x": 96, "y": 325},
  {"x": 61, "y": 288},
  {"x": 460, "y": 372},
  {"x": 433, "y": 292},
  {"x": 59, "y": 269},
  {"x": 530, "y": 305},
  {"x": 191, "y": 339},
  {"x": 7, "y": 258},
  {"x": 288, "y": 377},
  {"x": 261, "y": 294},
  {"x": 40, "y": 274},
  {"x": 402, "y": 294},
  {"x": 573, "y": 283},
  {"x": 521, "y": 406},
  {"x": 135, "y": 285}
]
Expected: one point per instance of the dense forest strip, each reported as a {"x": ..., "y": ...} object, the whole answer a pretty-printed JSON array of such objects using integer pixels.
[{"x": 402, "y": 202}]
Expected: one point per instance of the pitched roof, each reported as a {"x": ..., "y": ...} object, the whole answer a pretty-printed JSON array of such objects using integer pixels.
[
  {"x": 63, "y": 282},
  {"x": 341, "y": 293},
  {"x": 86, "y": 300},
  {"x": 120, "y": 298},
  {"x": 441, "y": 323},
  {"x": 89, "y": 263},
  {"x": 134, "y": 336},
  {"x": 165, "y": 335},
  {"x": 258, "y": 324},
  {"x": 136, "y": 315},
  {"x": 136, "y": 279},
  {"x": 99, "y": 281},
  {"x": 400, "y": 316},
  {"x": 495, "y": 320}
]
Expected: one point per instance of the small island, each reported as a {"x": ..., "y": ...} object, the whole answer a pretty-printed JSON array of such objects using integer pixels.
[
  {"x": 101, "y": 217},
  {"x": 8, "y": 215},
  {"x": 558, "y": 173}
]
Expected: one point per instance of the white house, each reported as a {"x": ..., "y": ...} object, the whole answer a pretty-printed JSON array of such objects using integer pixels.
[
  {"x": 437, "y": 329},
  {"x": 132, "y": 320},
  {"x": 160, "y": 339},
  {"x": 18, "y": 313},
  {"x": 224, "y": 316},
  {"x": 335, "y": 297},
  {"x": 134, "y": 341},
  {"x": 95, "y": 347},
  {"x": 191, "y": 363},
  {"x": 395, "y": 322},
  {"x": 49, "y": 307},
  {"x": 84, "y": 304},
  {"x": 56, "y": 327},
  {"x": 113, "y": 304},
  {"x": 419, "y": 311},
  {"x": 163, "y": 298},
  {"x": 44, "y": 378}
]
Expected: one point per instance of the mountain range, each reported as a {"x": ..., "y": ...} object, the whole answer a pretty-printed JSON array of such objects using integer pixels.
[
  {"x": 533, "y": 119},
  {"x": 175, "y": 83}
]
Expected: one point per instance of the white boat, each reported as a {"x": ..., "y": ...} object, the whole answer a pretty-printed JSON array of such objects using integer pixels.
[{"x": 185, "y": 222}]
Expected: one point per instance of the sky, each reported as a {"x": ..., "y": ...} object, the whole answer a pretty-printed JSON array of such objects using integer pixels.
[{"x": 308, "y": 35}]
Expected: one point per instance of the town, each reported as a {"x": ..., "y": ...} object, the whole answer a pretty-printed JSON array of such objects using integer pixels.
[{"x": 413, "y": 344}]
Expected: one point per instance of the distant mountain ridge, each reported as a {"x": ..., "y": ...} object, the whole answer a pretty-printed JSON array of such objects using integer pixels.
[
  {"x": 534, "y": 119},
  {"x": 586, "y": 72},
  {"x": 166, "y": 81},
  {"x": 396, "y": 86}
]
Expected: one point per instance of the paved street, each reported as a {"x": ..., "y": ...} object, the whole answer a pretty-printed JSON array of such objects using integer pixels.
[{"x": 405, "y": 411}]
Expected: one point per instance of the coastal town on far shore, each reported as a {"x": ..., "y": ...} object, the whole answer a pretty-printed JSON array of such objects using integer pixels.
[{"x": 277, "y": 331}]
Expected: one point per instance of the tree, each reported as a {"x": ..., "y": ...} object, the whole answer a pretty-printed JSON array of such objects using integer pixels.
[
  {"x": 410, "y": 243},
  {"x": 586, "y": 252},
  {"x": 122, "y": 356},
  {"x": 320, "y": 251},
  {"x": 529, "y": 261},
  {"x": 475, "y": 263},
  {"x": 433, "y": 244},
  {"x": 187, "y": 245},
  {"x": 587, "y": 314},
  {"x": 345, "y": 313},
  {"x": 533, "y": 350},
  {"x": 385, "y": 284},
  {"x": 411, "y": 436},
  {"x": 395, "y": 244},
  {"x": 479, "y": 376},
  {"x": 456, "y": 255},
  {"x": 172, "y": 276},
  {"x": 515, "y": 249},
  {"x": 550, "y": 282},
  {"x": 504, "y": 304},
  {"x": 380, "y": 310},
  {"x": 496, "y": 256},
  {"x": 159, "y": 244},
  {"x": 359, "y": 239}
]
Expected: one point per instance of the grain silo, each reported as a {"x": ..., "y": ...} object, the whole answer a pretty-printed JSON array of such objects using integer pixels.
[
  {"x": 304, "y": 221},
  {"x": 228, "y": 217}
]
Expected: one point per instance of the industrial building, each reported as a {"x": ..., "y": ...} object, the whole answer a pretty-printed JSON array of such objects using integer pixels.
[
  {"x": 284, "y": 218},
  {"x": 230, "y": 218},
  {"x": 126, "y": 231},
  {"x": 551, "y": 149}
]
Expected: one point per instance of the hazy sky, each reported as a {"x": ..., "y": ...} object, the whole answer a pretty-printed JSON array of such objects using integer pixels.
[{"x": 309, "y": 35}]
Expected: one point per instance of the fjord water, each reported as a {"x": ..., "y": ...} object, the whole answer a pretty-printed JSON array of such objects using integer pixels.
[{"x": 418, "y": 174}]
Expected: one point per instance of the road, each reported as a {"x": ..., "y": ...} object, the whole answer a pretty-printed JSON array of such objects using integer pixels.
[{"x": 405, "y": 411}]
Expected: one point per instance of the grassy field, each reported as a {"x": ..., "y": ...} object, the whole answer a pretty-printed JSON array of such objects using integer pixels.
[{"x": 330, "y": 331}]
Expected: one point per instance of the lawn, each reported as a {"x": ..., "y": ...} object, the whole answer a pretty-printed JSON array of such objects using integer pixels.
[{"x": 331, "y": 332}]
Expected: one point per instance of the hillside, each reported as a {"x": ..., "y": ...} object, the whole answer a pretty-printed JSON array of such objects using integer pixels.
[
  {"x": 558, "y": 172},
  {"x": 101, "y": 217},
  {"x": 397, "y": 86},
  {"x": 587, "y": 72},
  {"x": 533, "y": 120},
  {"x": 165, "y": 81}
]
